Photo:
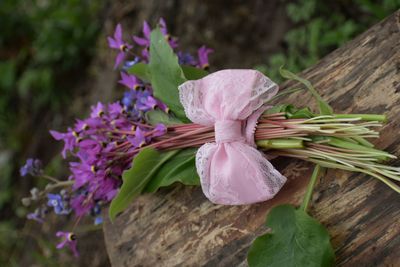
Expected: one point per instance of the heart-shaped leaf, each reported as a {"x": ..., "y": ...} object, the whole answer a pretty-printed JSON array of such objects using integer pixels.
[{"x": 296, "y": 239}]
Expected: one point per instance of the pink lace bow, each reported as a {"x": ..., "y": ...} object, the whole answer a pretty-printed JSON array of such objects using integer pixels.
[{"x": 232, "y": 171}]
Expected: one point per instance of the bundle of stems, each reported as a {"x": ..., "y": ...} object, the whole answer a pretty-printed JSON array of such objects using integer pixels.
[{"x": 333, "y": 141}]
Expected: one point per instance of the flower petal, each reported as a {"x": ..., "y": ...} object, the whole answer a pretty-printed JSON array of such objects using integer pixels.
[{"x": 118, "y": 33}]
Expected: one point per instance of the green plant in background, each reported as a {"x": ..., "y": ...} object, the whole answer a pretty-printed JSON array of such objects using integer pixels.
[
  {"x": 42, "y": 44},
  {"x": 322, "y": 26}
]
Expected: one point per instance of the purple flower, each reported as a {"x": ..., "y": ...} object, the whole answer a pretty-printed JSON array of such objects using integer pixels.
[
  {"x": 163, "y": 28},
  {"x": 69, "y": 139},
  {"x": 81, "y": 205},
  {"x": 146, "y": 32},
  {"x": 88, "y": 151},
  {"x": 80, "y": 126},
  {"x": 119, "y": 44},
  {"x": 69, "y": 240},
  {"x": 162, "y": 106},
  {"x": 97, "y": 110},
  {"x": 145, "y": 101},
  {"x": 105, "y": 143},
  {"x": 115, "y": 110},
  {"x": 32, "y": 167},
  {"x": 88, "y": 126},
  {"x": 57, "y": 202},
  {"x": 130, "y": 81},
  {"x": 139, "y": 138},
  {"x": 203, "y": 56},
  {"x": 105, "y": 188},
  {"x": 145, "y": 41},
  {"x": 159, "y": 130},
  {"x": 81, "y": 172}
]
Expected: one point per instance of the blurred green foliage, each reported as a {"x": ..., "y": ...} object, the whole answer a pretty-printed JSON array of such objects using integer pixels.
[
  {"x": 319, "y": 27},
  {"x": 43, "y": 43}
]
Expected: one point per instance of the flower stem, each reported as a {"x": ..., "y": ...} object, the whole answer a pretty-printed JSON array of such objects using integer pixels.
[
  {"x": 50, "y": 178},
  {"x": 364, "y": 117},
  {"x": 310, "y": 187},
  {"x": 280, "y": 143},
  {"x": 67, "y": 183}
]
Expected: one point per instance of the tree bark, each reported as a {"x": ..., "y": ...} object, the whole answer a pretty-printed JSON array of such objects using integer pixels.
[{"x": 178, "y": 226}]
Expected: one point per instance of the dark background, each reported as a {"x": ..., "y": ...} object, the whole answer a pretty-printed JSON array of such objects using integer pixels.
[{"x": 54, "y": 63}]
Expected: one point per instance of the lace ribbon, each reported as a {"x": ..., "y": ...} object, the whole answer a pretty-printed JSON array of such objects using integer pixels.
[{"x": 232, "y": 171}]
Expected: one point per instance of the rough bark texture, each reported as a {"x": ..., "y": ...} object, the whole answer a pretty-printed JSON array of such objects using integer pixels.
[{"x": 180, "y": 227}]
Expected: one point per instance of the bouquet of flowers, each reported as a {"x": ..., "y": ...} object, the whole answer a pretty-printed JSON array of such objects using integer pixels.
[{"x": 179, "y": 123}]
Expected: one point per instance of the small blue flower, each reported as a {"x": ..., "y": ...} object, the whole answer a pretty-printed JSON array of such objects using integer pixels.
[
  {"x": 96, "y": 209},
  {"x": 130, "y": 63},
  {"x": 56, "y": 201},
  {"x": 186, "y": 59},
  {"x": 129, "y": 99},
  {"x": 37, "y": 215},
  {"x": 32, "y": 167},
  {"x": 98, "y": 220}
]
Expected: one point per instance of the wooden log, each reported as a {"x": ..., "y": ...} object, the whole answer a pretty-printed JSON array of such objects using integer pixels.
[{"x": 178, "y": 226}]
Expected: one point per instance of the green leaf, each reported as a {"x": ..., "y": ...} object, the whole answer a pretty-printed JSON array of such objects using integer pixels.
[
  {"x": 278, "y": 109},
  {"x": 180, "y": 168},
  {"x": 296, "y": 239},
  {"x": 141, "y": 70},
  {"x": 193, "y": 73},
  {"x": 283, "y": 93},
  {"x": 301, "y": 114},
  {"x": 144, "y": 166},
  {"x": 324, "y": 107},
  {"x": 291, "y": 112},
  {"x": 166, "y": 74},
  {"x": 158, "y": 116},
  {"x": 310, "y": 188}
]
